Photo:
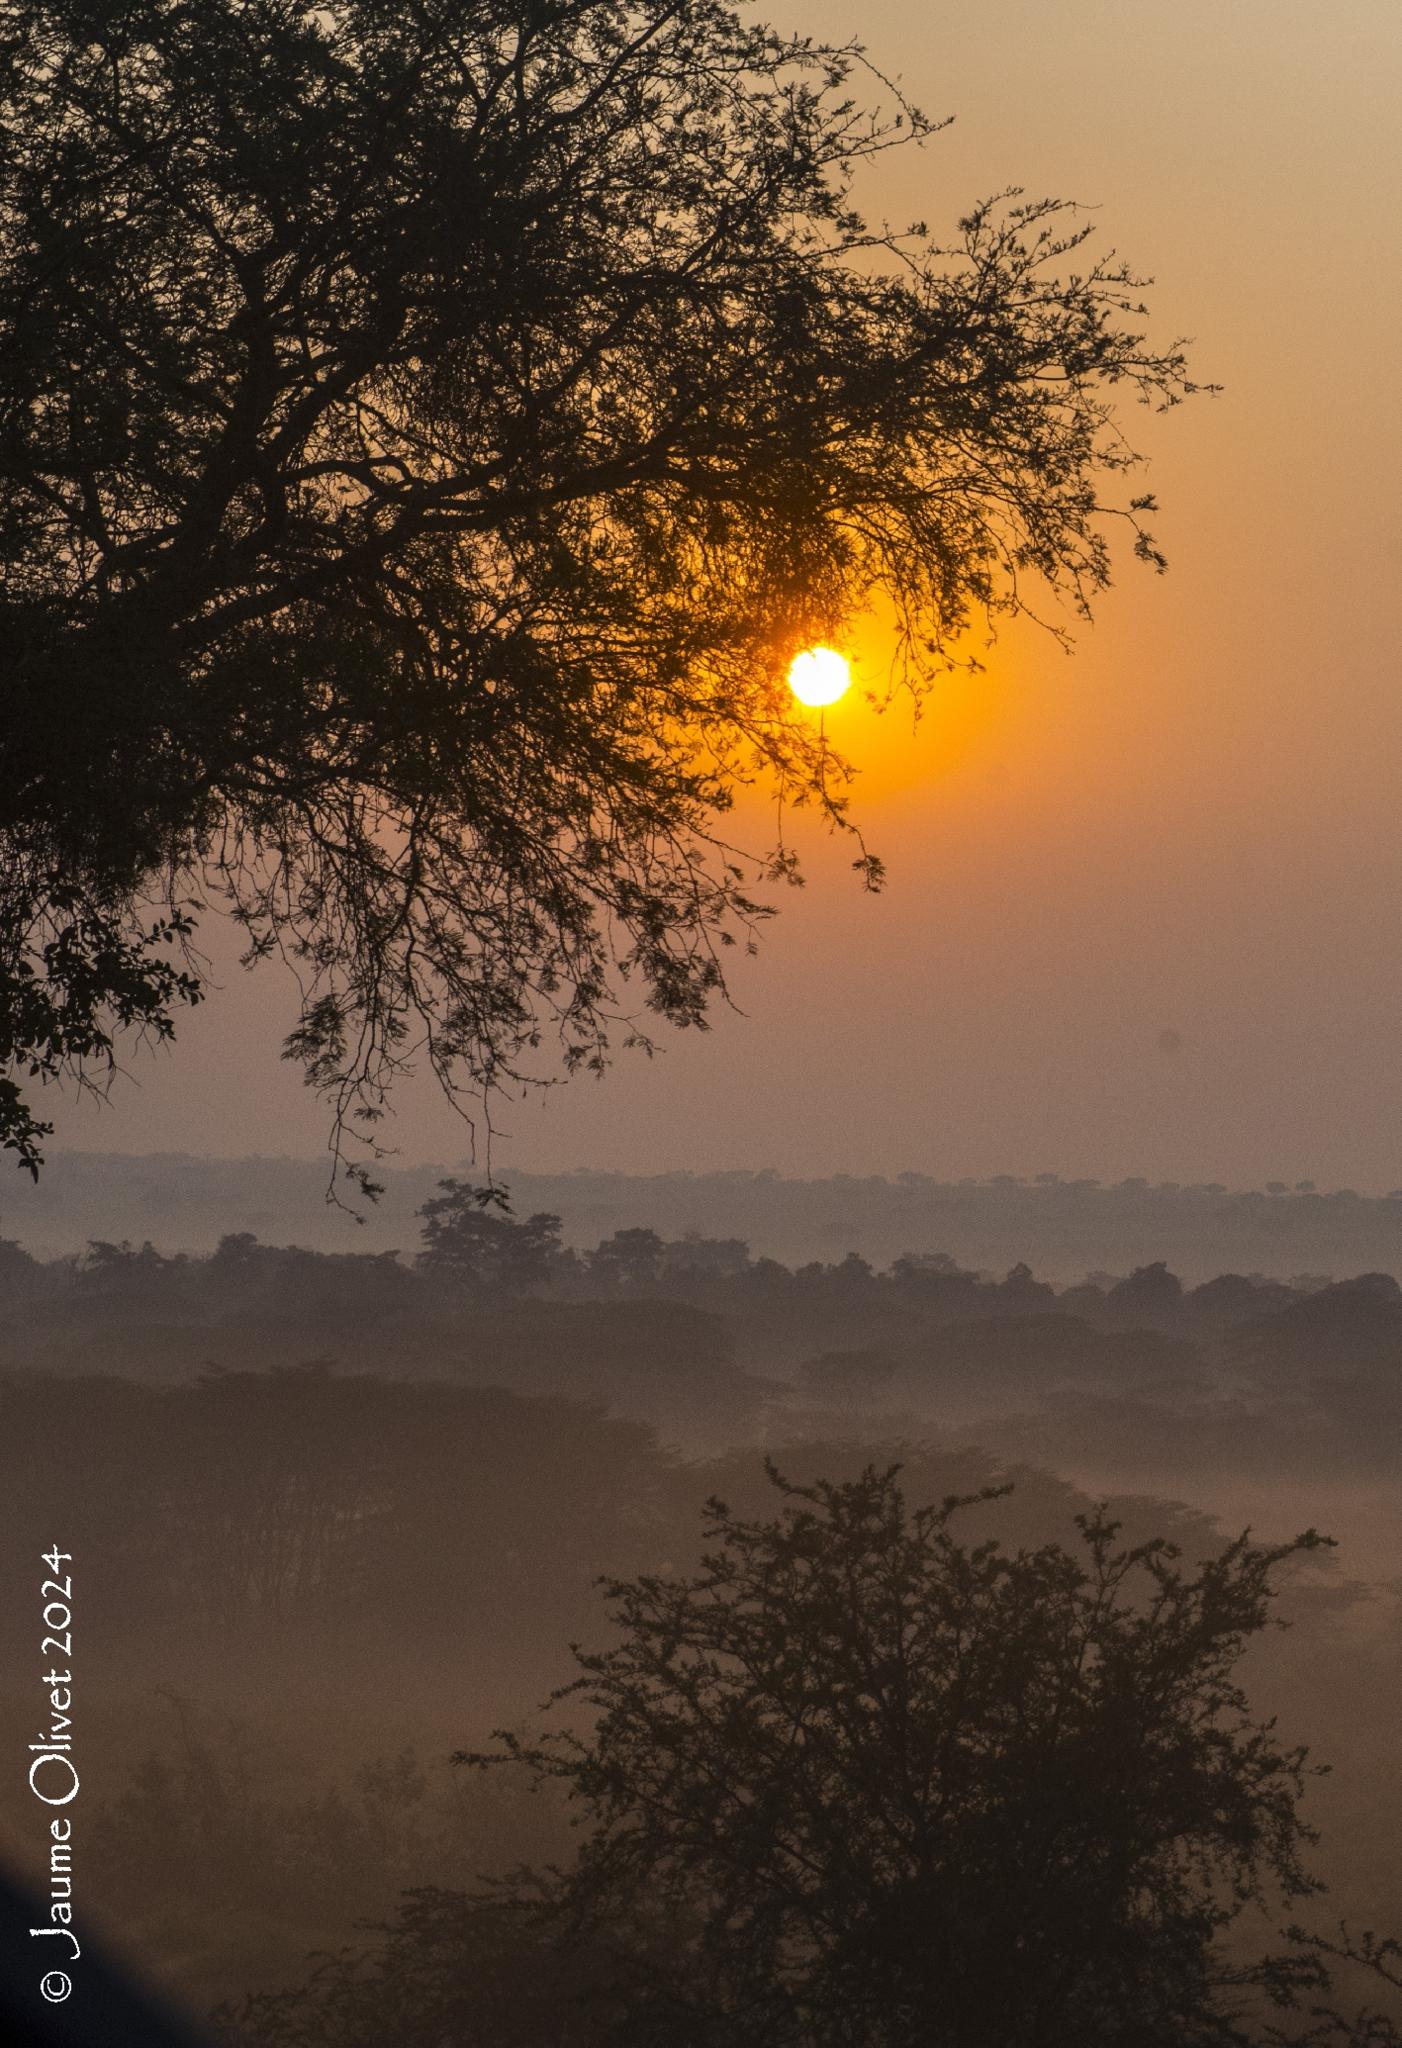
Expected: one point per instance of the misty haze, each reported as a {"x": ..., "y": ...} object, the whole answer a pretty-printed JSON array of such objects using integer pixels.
[
  {"x": 701, "y": 1266},
  {"x": 376, "y": 1489}
]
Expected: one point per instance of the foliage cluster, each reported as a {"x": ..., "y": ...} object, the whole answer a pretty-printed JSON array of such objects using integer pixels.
[{"x": 427, "y": 434}]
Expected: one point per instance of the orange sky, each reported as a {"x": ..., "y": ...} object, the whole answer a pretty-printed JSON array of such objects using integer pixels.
[{"x": 1144, "y": 914}]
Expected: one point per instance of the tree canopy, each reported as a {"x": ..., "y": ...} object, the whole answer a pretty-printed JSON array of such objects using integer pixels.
[
  {"x": 860, "y": 1784},
  {"x": 468, "y": 1240},
  {"x": 427, "y": 433}
]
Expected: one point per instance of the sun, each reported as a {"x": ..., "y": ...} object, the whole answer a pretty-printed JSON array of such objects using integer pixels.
[{"x": 819, "y": 676}]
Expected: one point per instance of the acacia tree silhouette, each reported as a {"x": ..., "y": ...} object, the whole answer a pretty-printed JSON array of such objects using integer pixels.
[
  {"x": 427, "y": 433},
  {"x": 857, "y": 1784}
]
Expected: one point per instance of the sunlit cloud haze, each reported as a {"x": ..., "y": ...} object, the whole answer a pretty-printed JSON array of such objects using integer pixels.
[{"x": 1145, "y": 903}]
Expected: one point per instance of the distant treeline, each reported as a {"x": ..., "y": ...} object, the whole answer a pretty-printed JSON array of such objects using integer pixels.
[
  {"x": 699, "y": 1336},
  {"x": 1068, "y": 1227},
  {"x": 474, "y": 1252}
]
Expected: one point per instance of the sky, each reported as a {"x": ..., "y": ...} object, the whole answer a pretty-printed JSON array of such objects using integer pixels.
[{"x": 1144, "y": 913}]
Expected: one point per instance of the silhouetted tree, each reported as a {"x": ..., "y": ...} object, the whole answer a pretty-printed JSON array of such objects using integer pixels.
[
  {"x": 1235, "y": 1298},
  {"x": 864, "y": 1784},
  {"x": 1151, "y": 1293},
  {"x": 629, "y": 1262},
  {"x": 859, "y": 1783},
  {"x": 1023, "y": 1294},
  {"x": 22, "y": 1278},
  {"x": 126, "y": 1275},
  {"x": 936, "y": 1279},
  {"x": 428, "y": 431},
  {"x": 468, "y": 1240},
  {"x": 694, "y": 1258},
  {"x": 1345, "y": 1324}
]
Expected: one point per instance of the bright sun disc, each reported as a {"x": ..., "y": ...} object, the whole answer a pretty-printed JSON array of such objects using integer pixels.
[{"x": 819, "y": 676}]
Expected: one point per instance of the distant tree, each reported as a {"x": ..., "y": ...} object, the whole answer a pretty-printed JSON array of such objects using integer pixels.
[
  {"x": 911, "y": 1268},
  {"x": 103, "y": 1257},
  {"x": 629, "y": 1262},
  {"x": 237, "y": 1251},
  {"x": 1150, "y": 1291},
  {"x": 1236, "y": 1297},
  {"x": 428, "y": 431},
  {"x": 852, "y": 1275},
  {"x": 1343, "y": 1325},
  {"x": 469, "y": 1240},
  {"x": 1022, "y": 1293},
  {"x": 937, "y": 1280},
  {"x": 22, "y": 1278},
  {"x": 132, "y": 1274},
  {"x": 1086, "y": 1299},
  {"x": 694, "y": 1257}
]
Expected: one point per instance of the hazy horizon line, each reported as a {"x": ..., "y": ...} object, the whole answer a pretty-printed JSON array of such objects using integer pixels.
[{"x": 1045, "y": 1177}]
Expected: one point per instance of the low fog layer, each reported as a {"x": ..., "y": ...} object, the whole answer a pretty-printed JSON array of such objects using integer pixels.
[{"x": 336, "y": 1516}]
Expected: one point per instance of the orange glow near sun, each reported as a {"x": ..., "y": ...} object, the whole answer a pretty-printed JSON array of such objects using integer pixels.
[{"x": 819, "y": 676}]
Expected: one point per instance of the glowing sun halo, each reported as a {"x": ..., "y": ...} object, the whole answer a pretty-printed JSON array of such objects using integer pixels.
[{"x": 819, "y": 676}]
